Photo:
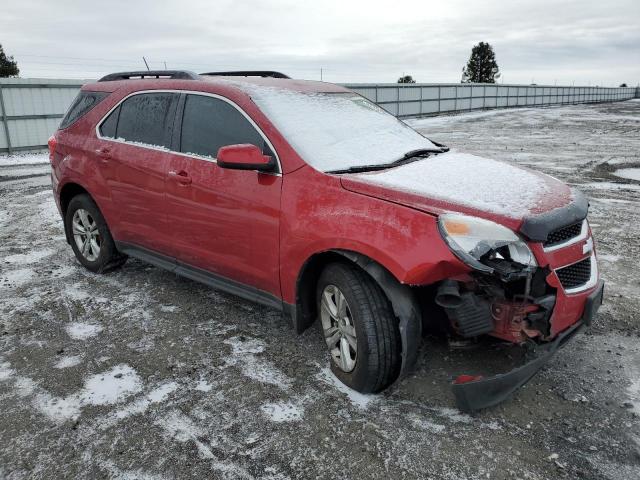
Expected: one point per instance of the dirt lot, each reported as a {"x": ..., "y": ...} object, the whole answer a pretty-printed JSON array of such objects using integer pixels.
[{"x": 140, "y": 374}]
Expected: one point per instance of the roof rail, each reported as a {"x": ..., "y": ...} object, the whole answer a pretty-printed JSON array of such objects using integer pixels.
[
  {"x": 168, "y": 74},
  {"x": 248, "y": 73}
]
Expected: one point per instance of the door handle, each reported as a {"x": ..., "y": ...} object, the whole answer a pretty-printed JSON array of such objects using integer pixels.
[
  {"x": 181, "y": 177},
  {"x": 104, "y": 154}
]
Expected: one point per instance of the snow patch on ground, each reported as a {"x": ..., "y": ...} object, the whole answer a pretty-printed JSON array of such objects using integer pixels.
[
  {"x": 203, "y": 386},
  {"x": 107, "y": 388},
  {"x": 283, "y": 411},
  {"x": 83, "y": 331},
  {"x": 116, "y": 473},
  {"x": 16, "y": 278},
  {"x": 75, "y": 292},
  {"x": 628, "y": 173},
  {"x": 157, "y": 395},
  {"x": 67, "y": 362},
  {"x": 111, "y": 386},
  {"x": 427, "y": 425},
  {"x": 33, "y": 256},
  {"x": 181, "y": 428},
  {"x": 244, "y": 355},
  {"x": 6, "y": 371},
  {"x": 454, "y": 415},
  {"x": 24, "y": 158},
  {"x": 357, "y": 399},
  {"x": 608, "y": 257}
]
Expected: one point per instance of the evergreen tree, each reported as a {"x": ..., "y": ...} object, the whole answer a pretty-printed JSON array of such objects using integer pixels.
[
  {"x": 406, "y": 79},
  {"x": 482, "y": 66},
  {"x": 623, "y": 84},
  {"x": 8, "y": 66}
]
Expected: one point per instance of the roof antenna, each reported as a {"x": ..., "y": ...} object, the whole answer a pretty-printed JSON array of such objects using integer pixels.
[{"x": 145, "y": 62}]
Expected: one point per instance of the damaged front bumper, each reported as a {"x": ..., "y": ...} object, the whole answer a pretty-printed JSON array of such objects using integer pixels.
[{"x": 475, "y": 393}]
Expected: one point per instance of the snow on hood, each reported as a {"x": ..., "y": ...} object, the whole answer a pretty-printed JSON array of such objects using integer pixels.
[{"x": 459, "y": 179}]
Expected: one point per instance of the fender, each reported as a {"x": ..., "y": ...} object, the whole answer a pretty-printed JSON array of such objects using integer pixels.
[{"x": 404, "y": 303}]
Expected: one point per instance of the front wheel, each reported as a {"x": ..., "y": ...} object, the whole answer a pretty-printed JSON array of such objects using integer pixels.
[{"x": 359, "y": 328}]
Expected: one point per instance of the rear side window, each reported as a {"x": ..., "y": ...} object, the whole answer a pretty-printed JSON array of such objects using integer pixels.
[
  {"x": 83, "y": 103},
  {"x": 209, "y": 123},
  {"x": 146, "y": 118}
]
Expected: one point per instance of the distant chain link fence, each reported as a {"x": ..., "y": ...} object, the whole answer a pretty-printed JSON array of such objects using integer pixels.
[{"x": 31, "y": 109}]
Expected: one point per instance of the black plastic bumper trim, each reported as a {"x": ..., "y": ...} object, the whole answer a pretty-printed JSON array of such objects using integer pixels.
[{"x": 485, "y": 393}]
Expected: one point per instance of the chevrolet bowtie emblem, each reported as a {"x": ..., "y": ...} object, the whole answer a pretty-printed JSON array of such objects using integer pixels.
[{"x": 588, "y": 246}]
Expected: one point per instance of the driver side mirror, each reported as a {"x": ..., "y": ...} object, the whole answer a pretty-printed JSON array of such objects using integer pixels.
[{"x": 245, "y": 156}]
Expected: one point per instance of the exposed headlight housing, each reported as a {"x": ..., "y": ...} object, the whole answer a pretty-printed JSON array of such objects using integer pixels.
[{"x": 474, "y": 240}]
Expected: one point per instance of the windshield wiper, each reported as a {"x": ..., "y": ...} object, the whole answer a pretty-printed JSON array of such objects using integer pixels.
[
  {"x": 408, "y": 157},
  {"x": 421, "y": 152}
]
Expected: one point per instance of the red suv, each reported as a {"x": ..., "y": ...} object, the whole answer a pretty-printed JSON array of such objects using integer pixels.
[{"x": 307, "y": 197}]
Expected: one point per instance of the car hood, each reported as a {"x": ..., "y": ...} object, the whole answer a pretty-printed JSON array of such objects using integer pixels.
[{"x": 460, "y": 182}]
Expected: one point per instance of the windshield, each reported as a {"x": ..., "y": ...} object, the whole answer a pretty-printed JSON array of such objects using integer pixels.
[{"x": 335, "y": 131}]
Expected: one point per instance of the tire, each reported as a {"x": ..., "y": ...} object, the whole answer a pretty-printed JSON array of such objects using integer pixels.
[
  {"x": 368, "y": 311},
  {"x": 101, "y": 254}
]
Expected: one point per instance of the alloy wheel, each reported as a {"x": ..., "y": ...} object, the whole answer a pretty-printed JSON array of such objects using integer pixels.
[
  {"x": 86, "y": 234},
  {"x": 338, "y": 328}
]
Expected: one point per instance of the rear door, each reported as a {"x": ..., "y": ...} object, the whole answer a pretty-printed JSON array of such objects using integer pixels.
[
  {"x": 224, "y": 221},
  {"x": 134, "y": 159}
]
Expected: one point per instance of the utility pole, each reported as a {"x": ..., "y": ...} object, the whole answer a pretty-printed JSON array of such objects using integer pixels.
[
  {"x": 320, "y": 73},
  {"x": 165, "y": 65}
]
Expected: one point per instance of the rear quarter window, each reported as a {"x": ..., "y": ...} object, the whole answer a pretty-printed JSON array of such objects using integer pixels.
[
  {"x": 82, "y": 104},
  {"x": 108, "y": 127}
]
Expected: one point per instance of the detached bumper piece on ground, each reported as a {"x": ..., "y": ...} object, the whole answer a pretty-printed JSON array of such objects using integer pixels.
[{"x": 475, "y": 393}]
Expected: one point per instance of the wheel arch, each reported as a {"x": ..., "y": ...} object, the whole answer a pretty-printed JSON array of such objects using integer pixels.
[
  {"x": 402, "y": 298},
  {"x": 68, "y": 192}
]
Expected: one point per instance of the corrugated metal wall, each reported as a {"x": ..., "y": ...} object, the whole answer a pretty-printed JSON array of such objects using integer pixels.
[
  {"x": 417, "y": 99},
  {"x": 31, "y": 109}
]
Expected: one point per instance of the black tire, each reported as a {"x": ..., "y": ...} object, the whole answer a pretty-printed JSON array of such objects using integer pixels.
[
  {"x": 109, "y": 258},
  {"x": 378, "y": 340}
]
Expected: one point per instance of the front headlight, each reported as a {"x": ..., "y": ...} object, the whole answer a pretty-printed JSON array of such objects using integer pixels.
[{"x": 475, "y": 240}]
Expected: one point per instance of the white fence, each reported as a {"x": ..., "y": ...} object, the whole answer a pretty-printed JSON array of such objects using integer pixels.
[
  {"x": 31, "y": 109},
  {"x": 417, "y": 99}
]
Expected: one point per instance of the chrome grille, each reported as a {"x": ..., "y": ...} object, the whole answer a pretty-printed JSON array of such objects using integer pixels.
[{"x": 575, "y": 275}]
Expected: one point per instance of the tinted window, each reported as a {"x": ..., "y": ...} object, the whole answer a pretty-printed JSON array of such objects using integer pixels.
[
  {"x": 108, "y": 127},
  {"x": 209, "y": 123},
  {"x": 84, "y": 102},
  {"x": 147, "y": 118}
]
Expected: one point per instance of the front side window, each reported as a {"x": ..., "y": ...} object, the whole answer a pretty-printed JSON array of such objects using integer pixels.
[
  {"x": 210, "y": 123},
  {"x": 146, "y": 118},
  {"x": 83, "y": 103}
]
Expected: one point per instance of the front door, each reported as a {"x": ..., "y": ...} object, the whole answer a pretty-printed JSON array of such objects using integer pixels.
[{"x": 223, "y": 221}]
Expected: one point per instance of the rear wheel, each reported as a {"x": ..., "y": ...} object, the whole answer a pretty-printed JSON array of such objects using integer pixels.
[
  {"x": 90, "y": 237},
  {"x": 359, "y": 328}
]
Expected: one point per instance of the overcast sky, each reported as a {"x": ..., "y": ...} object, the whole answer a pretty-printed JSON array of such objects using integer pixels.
[{"x": 543, "y": 41}]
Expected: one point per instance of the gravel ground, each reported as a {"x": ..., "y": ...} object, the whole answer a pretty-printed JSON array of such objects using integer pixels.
[{"x": 141, "y": 374}]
